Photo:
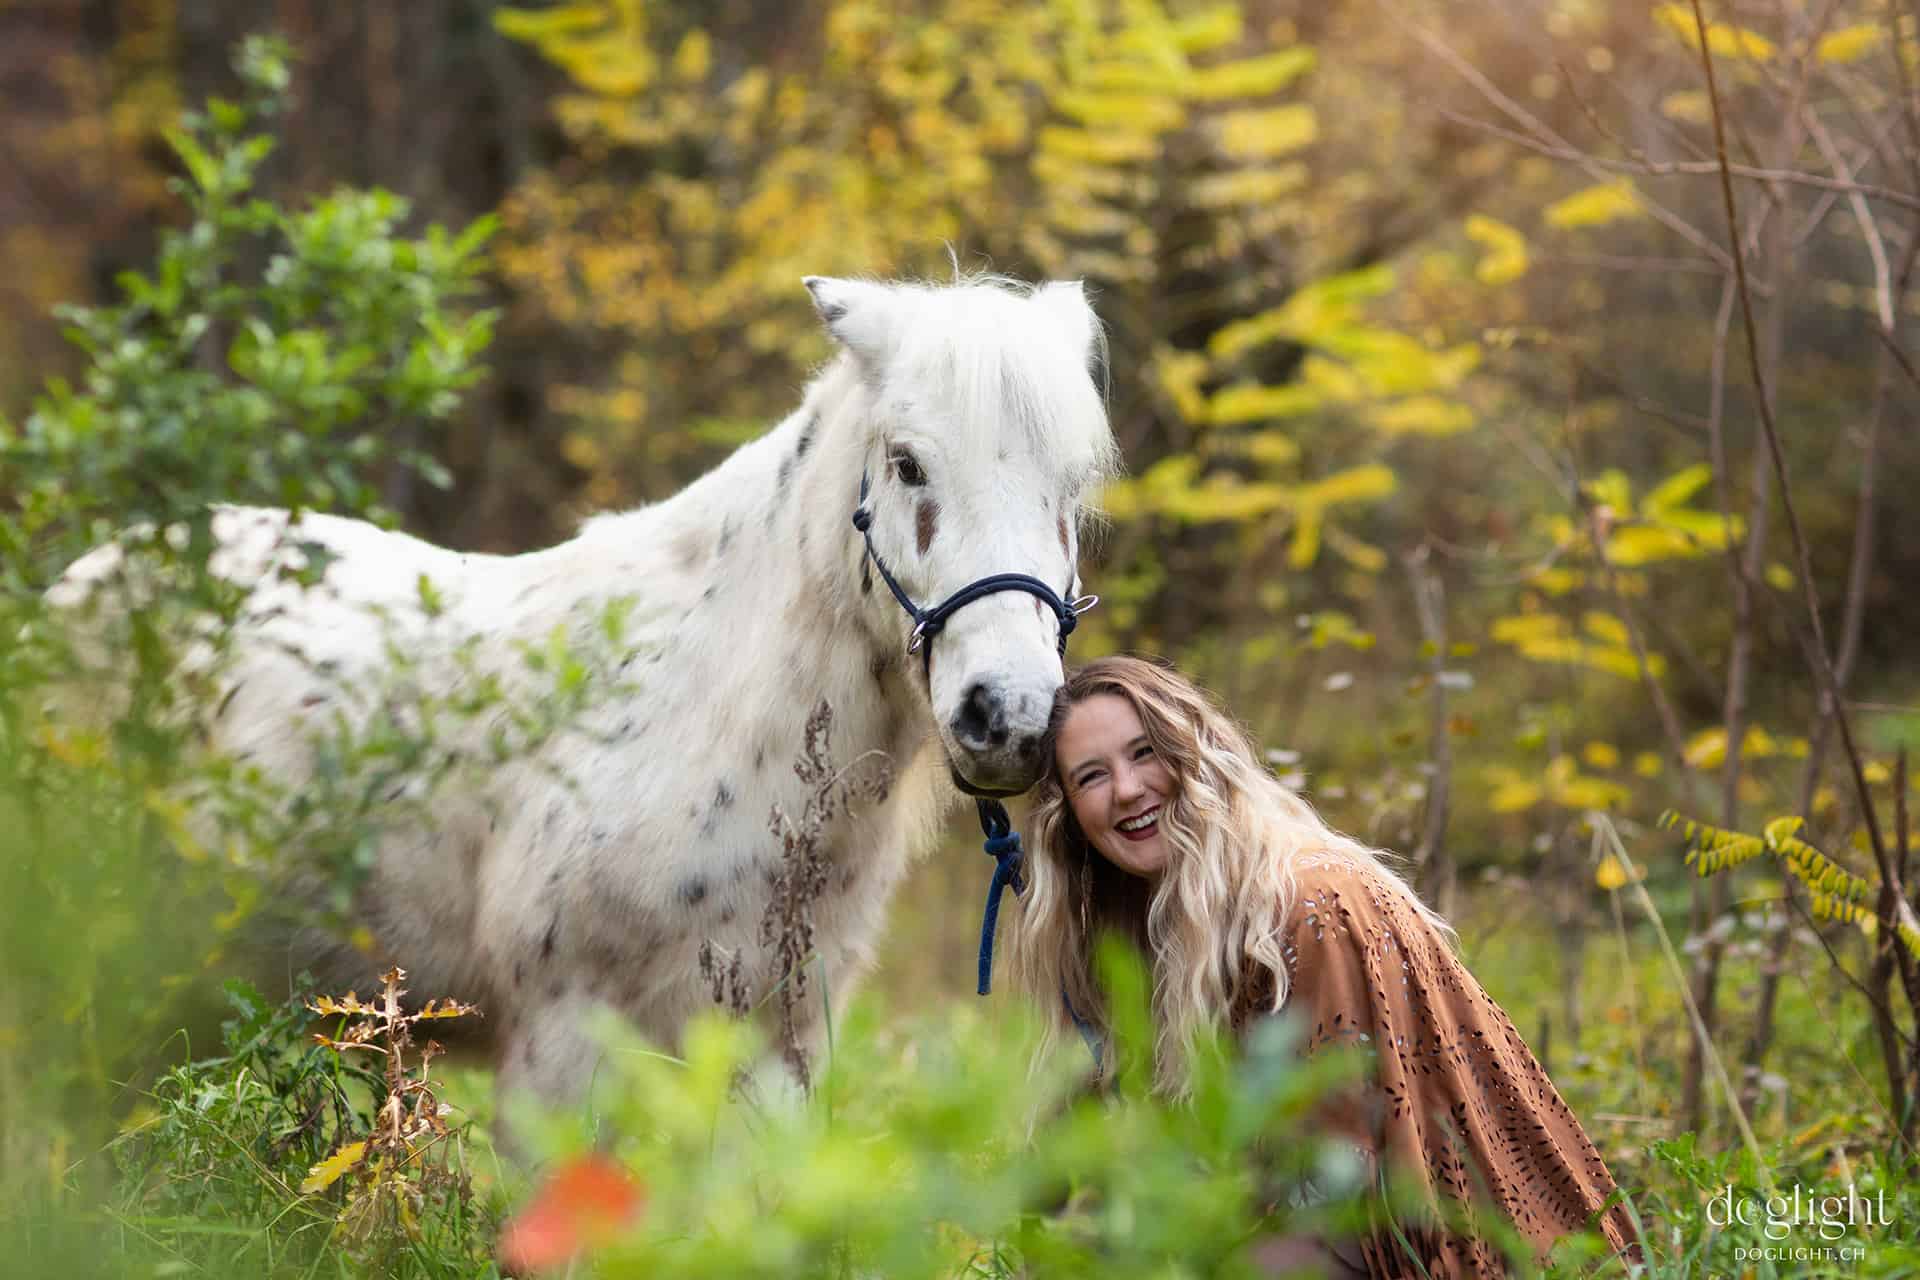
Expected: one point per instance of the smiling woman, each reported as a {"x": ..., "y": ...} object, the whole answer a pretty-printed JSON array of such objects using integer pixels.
[{"x": 1156, "y": 821}]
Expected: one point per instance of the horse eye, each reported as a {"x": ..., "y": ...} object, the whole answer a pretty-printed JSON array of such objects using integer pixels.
[{"x": 907, "y": 467}]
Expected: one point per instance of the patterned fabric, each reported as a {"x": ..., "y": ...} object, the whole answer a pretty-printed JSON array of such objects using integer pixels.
[{"x": 1459, "y": 1105}]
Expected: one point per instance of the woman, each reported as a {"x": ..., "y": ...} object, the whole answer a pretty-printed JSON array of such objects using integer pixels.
[{"x": 1157, "y": 820}]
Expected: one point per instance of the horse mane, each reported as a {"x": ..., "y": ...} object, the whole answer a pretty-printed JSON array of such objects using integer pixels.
[{"x": 1006, "y": 364}]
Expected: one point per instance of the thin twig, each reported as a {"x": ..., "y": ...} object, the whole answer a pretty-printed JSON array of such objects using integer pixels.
[
  {"x": 1680, "y": 168},
  {"x": 1605, "y": 824}
]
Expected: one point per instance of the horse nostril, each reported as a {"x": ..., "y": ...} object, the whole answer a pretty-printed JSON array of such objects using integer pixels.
[
  {"x": 1028, "y": 747},
  {"x": 982, "y": 718}
]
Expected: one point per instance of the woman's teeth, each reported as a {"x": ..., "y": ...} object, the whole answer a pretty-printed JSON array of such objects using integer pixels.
[{"x": 1140, "y": 823}]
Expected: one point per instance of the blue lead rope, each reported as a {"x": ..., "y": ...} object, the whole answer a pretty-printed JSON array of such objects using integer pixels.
[{"x": 1003, "y": 845}]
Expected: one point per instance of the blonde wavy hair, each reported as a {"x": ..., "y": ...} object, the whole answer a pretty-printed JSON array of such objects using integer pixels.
[{"x": 1233, "y": 833}]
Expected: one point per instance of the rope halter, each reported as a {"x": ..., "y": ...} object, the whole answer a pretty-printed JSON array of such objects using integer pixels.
[{"x": 1002, "y": 841}]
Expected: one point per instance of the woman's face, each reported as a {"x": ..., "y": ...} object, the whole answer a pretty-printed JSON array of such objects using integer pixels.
[{"x": 1115, "y": 783}]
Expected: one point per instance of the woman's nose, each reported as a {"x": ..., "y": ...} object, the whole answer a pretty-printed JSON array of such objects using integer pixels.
[{"x": 1126, "y": 783}]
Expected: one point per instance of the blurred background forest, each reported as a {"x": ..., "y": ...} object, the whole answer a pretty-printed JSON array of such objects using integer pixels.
[{"x": 1431, "y": 358}]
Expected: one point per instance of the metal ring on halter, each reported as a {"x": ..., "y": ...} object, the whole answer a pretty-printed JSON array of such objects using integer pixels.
[
  {"x": 1081, "y": 604},
  {"x": 919, "y": 635}
]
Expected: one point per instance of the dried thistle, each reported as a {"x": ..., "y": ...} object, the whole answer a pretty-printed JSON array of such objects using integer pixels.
[
  {"x": 401, "y": 1161},
  {"x": 801, "y": 877}
]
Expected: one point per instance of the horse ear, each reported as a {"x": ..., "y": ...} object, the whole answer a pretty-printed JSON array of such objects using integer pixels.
[
  {"x": 1066, "y": 302},
  {"x": 859, "y": 315}
]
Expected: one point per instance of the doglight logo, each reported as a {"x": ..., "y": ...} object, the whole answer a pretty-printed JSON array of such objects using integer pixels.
[{"x": 1795, "y": 1222}]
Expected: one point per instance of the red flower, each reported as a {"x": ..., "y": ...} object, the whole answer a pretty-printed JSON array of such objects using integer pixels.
[{"x": 583, "y": 1202}]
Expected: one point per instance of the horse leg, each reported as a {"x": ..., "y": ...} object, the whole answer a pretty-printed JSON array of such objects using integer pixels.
[{"x": 547, "y": 1058}]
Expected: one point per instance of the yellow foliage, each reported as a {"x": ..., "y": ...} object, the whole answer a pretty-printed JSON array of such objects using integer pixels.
[
  {"x": 1367, "y": 483},
  {"x": 1250, "y": 77},
  {"x": 694, "y": 59},
  {"x": 1246, "y": 186},
  {"x": 1707, "y": 749},
  {"x": 1319, "y": 307},
  {"x": 330, "y": 1170},
  {"x": 1676, "y": 490},
  {"x": 1272, "y": 448},
  {"x": 1250, "y": 402},
  {"x": 1546, "y": 637},
  {"x": 1505, "y": 259},
  {"x": 1611, "y": 875},
  {"x": 1725, "y": 40},
  {"x": 1135, "y": 112},
  {"x": 1098, "y": 148},
  {"x": 1601, "y": 755},
  {"x": 1422, "y": 416},
  {"x": 1179, "y": 374},
  {"x": 1362, "y": 555},
  {"x": 1606, "y": 627},
  {"x": 1689, "y": 106},
  {"x": 1262, "y": 134},
  {"x": 1211, "y": 29},
  {"x": 1849, "y": 44},
  {"x": 1595, "y": 206}
]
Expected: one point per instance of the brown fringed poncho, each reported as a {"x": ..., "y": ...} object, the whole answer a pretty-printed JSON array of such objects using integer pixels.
[{"x": 1458, "y": 1104}]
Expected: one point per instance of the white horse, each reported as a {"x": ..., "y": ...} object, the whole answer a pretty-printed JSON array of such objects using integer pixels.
[{"x": 972, "y": 412}]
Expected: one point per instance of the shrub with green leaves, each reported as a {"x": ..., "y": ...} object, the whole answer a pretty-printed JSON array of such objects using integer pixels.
[{"x": 271, "y": 354}]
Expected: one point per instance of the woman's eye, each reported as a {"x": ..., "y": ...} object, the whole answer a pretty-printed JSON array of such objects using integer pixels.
[
  {"x": 907, "y": 468},
  {"x": 1141, "y": 753},
  {"x": 1088, "y": 779}
]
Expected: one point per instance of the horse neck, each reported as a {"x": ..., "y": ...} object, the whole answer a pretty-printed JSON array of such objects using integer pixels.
[{"x": 789, "y": 590}]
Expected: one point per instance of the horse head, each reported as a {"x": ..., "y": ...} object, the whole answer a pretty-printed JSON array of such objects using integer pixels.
[{"x": 985, "y": 432}]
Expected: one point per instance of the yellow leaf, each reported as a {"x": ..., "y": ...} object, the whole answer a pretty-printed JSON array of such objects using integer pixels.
[
  {"x": 1145, "y": 113},
  {"x": 1505, "y": 259},
  {"x": 1590, "y": 793},
  {"x": 1595, "y": 206},
  {"x": 1675, "y": 490},
  {"x": 1639, "y": 544},
  {"x": 1605, "y": 627},
  {"x": 1423, "y": 416},
  {"x": 1363, "y": 556},
  {"x": 1180, "y": 374},
  {"x": 1601, "y": 755},
  {"x": 1726, "y": 41},
  {"x": 1610, "y": 875},
  {"x": 1130, "y": 75},
  {"x": 1257, "y": 135},
  {"x": 1647, "y": 764},
  {"x": 330, "y": 1170},
  {"x": 1245, "y": 186},
  {"x": 1366, "y": 483},
  {"x": 1849, "y": 44},
  {"x": 1689, "y": 106},
  {"x": 1106, "y": 147},
  {"x": 694, "y": 58},
  {"x": 1511, "y": 792},
  {"x": 78, "y": 749},
  {"x": 1272, "y": 448},
  {"x": 1779, "y": 577},
  {"x": 1706, "y": 749},
  {"x": 1322, "y": 305},
  {"x": 1250, "y": 77},
  {"x": 1250, "y": 402},
  {"x": 1210, "y": 29},
  {"x": 1305, "y": 547},
  {"x": 1392, "y": 363},
  {"x": 1874, "y": 771}
]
